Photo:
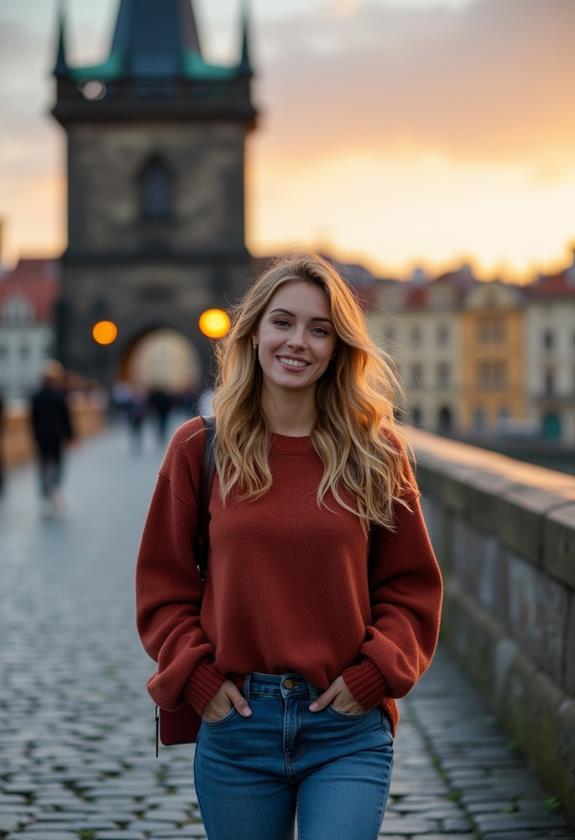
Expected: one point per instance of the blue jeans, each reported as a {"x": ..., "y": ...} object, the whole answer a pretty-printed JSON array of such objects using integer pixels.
[{"x": 252, "y": 773}]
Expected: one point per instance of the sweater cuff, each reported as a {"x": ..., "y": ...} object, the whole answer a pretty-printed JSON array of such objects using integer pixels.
[
  {"x": 366, "y": 683},
  {"x": 203, "y": 683}
]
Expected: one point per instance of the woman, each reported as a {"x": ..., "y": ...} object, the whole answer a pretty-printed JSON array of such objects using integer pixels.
[{"x": 323, "y": 596}]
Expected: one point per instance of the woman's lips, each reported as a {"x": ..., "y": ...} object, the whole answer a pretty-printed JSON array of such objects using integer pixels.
[{"x": 293, "y": 364}]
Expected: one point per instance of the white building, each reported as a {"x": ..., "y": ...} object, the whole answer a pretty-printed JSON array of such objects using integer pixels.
[
  {"x": 550, "y": 355},
  {"x": 27, "y": 298},
  {"x": 417, "y": 323}
]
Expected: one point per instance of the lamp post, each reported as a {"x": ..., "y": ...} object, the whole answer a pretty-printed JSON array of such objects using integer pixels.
[
  {"x": 214, "y": 324},
  {"x": 104, "y": 333}
]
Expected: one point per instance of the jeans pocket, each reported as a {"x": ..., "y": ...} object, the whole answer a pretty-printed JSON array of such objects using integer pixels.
[
  {"x": 346, "y": 716},
  {"x": 233, "y": 711},
  {"x": 386, "y": 724}
]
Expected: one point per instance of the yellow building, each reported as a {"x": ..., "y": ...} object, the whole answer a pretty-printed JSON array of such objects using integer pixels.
[{"x": 492, "y": 358}]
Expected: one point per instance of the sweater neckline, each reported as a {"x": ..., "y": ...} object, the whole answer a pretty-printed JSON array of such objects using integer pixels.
[{"x": 290, "y": 444}]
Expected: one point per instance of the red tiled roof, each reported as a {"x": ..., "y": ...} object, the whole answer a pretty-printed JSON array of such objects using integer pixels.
[
  {"x": 462, "y": 278},
  {"x": 553, "y": 285},
  {"x": 38, "y": 282},
  {"x": 416, "y": 298}
]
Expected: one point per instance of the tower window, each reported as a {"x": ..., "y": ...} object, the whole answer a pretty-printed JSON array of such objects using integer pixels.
[{"x": 156, "y": 190}]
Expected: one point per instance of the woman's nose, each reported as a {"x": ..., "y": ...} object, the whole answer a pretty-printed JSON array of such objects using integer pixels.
[{"x": 297, "y": 339}]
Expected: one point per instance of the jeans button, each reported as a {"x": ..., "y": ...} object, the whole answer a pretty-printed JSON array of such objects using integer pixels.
[{"x": 289, "y": 683}]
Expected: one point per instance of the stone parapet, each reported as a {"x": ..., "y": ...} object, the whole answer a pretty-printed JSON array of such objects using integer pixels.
[{"x": 504, "y": 532}]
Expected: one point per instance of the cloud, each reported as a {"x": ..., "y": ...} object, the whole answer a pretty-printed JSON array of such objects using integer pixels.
[{"x": 492, "y": 82}]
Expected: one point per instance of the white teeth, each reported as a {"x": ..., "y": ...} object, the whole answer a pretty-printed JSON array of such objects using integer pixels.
[{"x": 292, "y": 363}]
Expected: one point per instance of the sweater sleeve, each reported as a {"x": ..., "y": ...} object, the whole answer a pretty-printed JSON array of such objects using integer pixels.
[
  {"x": 168, "y": 585},
  {"x": 406, "y": 593}
]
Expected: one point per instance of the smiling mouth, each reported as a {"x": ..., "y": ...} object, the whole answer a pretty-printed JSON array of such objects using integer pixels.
[{"x": 292, "y": 363}]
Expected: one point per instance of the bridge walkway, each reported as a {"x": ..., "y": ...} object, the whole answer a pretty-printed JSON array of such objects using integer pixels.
[{"x": 76, "y": 725}]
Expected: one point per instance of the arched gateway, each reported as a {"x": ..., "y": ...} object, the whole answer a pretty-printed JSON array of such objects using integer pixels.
[{"x": 155, "y": 143}]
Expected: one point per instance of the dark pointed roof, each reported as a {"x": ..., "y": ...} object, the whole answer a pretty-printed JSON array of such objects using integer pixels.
[
  {"x": 245, "y": 65},
  {"x": 61, "y": 66},
  {"x": 153, "y": 37}
]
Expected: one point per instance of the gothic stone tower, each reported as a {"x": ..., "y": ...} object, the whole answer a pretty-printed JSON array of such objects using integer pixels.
[{"x": 155, "y": 149}]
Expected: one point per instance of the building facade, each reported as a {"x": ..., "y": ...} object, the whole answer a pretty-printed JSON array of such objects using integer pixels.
[
  {"x": 492, "y": 358},
  {"x": 27, "y": 298},
  {"x": 417, "y": 323},
  {"x": 550, "y": 355},
  {"x": 156, "y": 141}
]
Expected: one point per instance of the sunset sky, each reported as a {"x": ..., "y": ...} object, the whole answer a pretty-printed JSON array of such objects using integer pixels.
[{"x": 394, "y": 132}]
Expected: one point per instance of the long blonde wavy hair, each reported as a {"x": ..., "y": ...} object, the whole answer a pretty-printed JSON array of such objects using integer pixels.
[{"x": 355, "y": 433}]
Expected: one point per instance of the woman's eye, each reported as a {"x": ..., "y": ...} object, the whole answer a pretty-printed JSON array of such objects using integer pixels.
[
  {"x": 320, "y": 331},
  {"x": 281, "y": 323}
]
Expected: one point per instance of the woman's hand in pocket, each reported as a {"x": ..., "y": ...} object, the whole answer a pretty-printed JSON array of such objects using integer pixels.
[
  {"x": 340, "y": 697},
  {"x": 226, "y": 696}
]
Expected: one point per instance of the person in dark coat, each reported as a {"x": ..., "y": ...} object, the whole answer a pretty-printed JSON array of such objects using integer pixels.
[
  {"x": 161, "y": 404},
  {"x": 2, "y": 415},
  {"x": 52, "y": 429}
]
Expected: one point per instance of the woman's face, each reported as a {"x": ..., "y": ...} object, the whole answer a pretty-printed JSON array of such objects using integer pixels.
[{"x": 295, "y": 336}]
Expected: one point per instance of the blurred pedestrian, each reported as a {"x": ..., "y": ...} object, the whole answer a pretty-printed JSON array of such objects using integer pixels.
[
  {"x": 323, "y": 595},
  {"x": 160, "y": 402},
  {"x": 188, "y": 399},
  {"x": 121, "y": 396},
  {"x": 2, "y": 428},
  {"x": 137, "y": 412},
  {"x": 52, "y": 430}
]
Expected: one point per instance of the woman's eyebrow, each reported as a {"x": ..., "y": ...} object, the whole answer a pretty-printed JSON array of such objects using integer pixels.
[{"x": 287, "y": 312}]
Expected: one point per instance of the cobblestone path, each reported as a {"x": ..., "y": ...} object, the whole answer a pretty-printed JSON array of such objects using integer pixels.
[{"x": 76, "y": 724}]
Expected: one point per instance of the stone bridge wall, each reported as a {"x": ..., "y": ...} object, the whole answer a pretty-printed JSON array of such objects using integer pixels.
[{"x": 504, "y": 532}]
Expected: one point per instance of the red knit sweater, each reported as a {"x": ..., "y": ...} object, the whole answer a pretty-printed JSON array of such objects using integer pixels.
[{"x": 288, "y": 586}]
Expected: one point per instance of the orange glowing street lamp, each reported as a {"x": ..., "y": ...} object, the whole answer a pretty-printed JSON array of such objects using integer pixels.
[
  {"x": 104, "y": 332},
  {"x": 214, "y": 323}
]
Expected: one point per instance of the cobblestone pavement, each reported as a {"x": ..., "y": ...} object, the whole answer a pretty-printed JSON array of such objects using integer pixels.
[{"x": 76, "y": 725}]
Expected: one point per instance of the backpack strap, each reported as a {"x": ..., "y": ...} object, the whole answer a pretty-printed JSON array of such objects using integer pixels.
[{"x": 202, "y": 545}]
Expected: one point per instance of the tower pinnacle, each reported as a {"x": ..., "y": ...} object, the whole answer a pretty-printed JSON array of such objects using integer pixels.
[
  {"x": 245, "y": 66},
  {"x": 61, "y": 66}
]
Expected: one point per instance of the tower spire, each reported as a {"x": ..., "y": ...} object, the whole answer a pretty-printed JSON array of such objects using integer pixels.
[
  {"x": 245, "y": 65},
  {"x": 61, "y": 66},
  {"x": 152, "y": 38}
]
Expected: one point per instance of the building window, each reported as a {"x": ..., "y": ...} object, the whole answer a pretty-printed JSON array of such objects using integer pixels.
[
  {"x": 416, "y": 335},
  {"x": 24, "y": 352},
  {"x": 443, "y": 373},
  {"x": 443, "y": 334},
  {"x": 388, "y": 335},
  {"x": 499, "y": 374},
  {"x": 416, "y": 374},
  {"x": 444, "y": 419},
  {"x": 548, "y": 339},
  {"x": 3, "y": 353},
  {"x": 156, "y": 183},
  {"x": 416, "y": 416},
  {"x": 16, "y": 311},
  {"x": 491, "y": 331},
  {"x": 479, "y": 419},
  {"x": 492, "y": 374},
  {"x": 549, "y": 383}
]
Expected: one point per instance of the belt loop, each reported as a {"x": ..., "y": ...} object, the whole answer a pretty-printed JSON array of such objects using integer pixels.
[{"x": 247, "y": 685}]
